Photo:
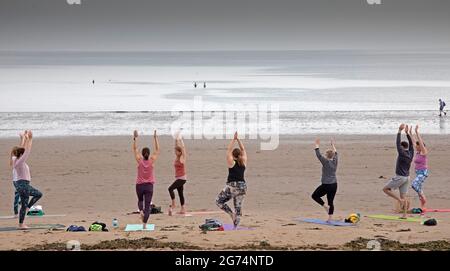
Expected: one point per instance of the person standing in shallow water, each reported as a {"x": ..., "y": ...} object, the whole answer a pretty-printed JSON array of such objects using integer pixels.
[
  {"x": 236, "y": 186},
  {"x": 145, "y": 176},
  {"x": 329, "y": 181},
  {"x": 441, "y": 108}
]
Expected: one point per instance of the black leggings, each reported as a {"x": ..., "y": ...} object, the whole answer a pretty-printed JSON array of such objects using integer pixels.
[
  {"x": 144, "y": 193},
  {"x": 326, "y": 189},
  {"x": 178, "y": 185}
]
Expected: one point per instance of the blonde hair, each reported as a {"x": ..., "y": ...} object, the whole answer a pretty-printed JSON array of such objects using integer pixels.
[{"x": 329, "y": 154}]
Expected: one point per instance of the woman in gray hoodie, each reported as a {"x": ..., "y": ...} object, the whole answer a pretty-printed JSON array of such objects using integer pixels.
[{"x": 328, "y": 186}]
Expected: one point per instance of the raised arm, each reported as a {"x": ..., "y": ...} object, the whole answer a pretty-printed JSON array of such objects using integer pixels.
[
  {"x": 180, "y": 143},
  {"x": 28, "y": 142},
  {"x": 155, "y": 146},
  {"x": 333, "y": 146},
  {"x": 137, "y": 155},
  {"x": 22, "y": 139},
  {"x": 424, "y": 150},
  {"x": 399, "y": 138},
  {"x": 243, "y": 151},
  {"x": 317, "y": 150},
  {"x": 230, "y": 159},
  {"x": 410, "y": 142}
]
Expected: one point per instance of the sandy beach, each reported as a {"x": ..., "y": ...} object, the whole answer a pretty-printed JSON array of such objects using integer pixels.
[{"x": 93, "y": 178}]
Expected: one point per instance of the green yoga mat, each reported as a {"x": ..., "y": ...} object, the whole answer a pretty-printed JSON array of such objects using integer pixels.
[
  {"x": 139, "y": 227},
  {"x": 396, "y": 218},
  {"x": 34, "y": 227}
]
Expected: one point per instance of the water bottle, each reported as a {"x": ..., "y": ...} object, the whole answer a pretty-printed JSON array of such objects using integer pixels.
[{"x": 115, "y": 223}]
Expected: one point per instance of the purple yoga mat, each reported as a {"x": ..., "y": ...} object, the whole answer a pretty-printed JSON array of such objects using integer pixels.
[{"x": 230, "y": 227}]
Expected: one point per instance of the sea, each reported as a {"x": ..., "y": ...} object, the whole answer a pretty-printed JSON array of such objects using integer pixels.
[{"x": 68, "y": 93}]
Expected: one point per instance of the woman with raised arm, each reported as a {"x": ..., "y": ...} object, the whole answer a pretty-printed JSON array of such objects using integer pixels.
[
  {"x": 145, "y": 176},
  {"x": 23, "y": 175},
  {"x": 421, "y": 167},
  {"x": 180, "y": 174},
  {"x": 14, "y": 174},
  {"x": 236, "y": 186},
  {"x": 329, "y": 180}
]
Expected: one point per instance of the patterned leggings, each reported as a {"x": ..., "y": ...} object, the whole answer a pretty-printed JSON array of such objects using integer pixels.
[
  {"x": 235, "y": 191},
  {"x": 421, "y": 176},
  {"x": 25, "y": 190}
]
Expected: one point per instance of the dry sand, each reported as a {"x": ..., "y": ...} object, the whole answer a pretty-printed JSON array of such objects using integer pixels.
[{"x": 92, "y": 178}]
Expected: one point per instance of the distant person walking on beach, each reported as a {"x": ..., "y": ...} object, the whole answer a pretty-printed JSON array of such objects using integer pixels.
[
  {"x": 400, "y": 181},
  {"x": 329, "y": 180},
  {"x": 180, "y": 174},
  {"x": 195, "y": 84},
  {"x": 421, "y": 167},
  {"x": 23, "y": 175},
  {"x": 441, "y": 108},
  {"x": 204, "y": 84},
  {"x": 14, "y": 174},
  {"x": 236, "y": 187},
  {"x": 145, "y": 176}
]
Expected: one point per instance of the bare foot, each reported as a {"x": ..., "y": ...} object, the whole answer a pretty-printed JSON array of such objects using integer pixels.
[
  {"x": 23, "y": 226},
  {"x": 236, "y": 221},
  {"x": 170, "y": 210},
  {"x": 423, "y": 201},
  {"x": 233, "y": 217},
  {"x": 327, "y": 208},
  {"x": 144, "y": 226},
  {"x": 182, "y": 211},
  {"x": 141, "y": 213},
  {"x": 402, "y": 204}
]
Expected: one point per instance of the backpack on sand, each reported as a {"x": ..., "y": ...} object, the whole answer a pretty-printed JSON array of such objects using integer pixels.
[{"x": 98, "y": 226}]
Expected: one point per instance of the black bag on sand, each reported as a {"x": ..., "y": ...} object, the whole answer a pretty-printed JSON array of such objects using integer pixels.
[
  {"x": 430, "y": 222},
  {"x": 155, "y": 209}
]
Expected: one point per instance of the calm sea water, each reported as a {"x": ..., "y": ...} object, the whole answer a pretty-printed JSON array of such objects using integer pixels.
[{"x": 316, "y": 91}]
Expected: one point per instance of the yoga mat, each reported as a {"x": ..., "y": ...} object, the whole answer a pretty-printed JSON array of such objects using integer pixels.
[
  {"x": 230, "y": 227},
  {"x": 323, "y": 222},
  {"x": 205, "y": 212},
  {"x": 428, "y": 210},
  {"x": 139, "y": 227},
  {"x": 396, "y": 218},
  {"x": 199, "y": 213},
  {"x": 29, "y": 216},
  {"x": 34, "y": 227}
]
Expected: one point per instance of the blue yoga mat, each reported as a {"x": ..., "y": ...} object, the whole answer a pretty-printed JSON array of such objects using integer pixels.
[
  {"x": 323, "y": 222},
  {"x": 139, "y": 227}
]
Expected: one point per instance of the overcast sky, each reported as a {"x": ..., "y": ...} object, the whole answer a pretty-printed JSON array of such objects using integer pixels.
[{"x": 223, "y": 25}]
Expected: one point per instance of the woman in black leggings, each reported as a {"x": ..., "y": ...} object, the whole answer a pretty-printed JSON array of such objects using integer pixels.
[
  {"x": 180, "y": 174},
  {"x": 329, "y": 180}
]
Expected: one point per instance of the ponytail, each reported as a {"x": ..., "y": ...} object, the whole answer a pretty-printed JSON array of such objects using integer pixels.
[
  {"x": 146, "y": 153},
  {"x": 237, "y": 156}
]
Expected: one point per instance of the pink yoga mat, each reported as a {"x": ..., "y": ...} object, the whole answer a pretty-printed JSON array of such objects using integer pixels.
[{"x": 428, "y": 210}]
